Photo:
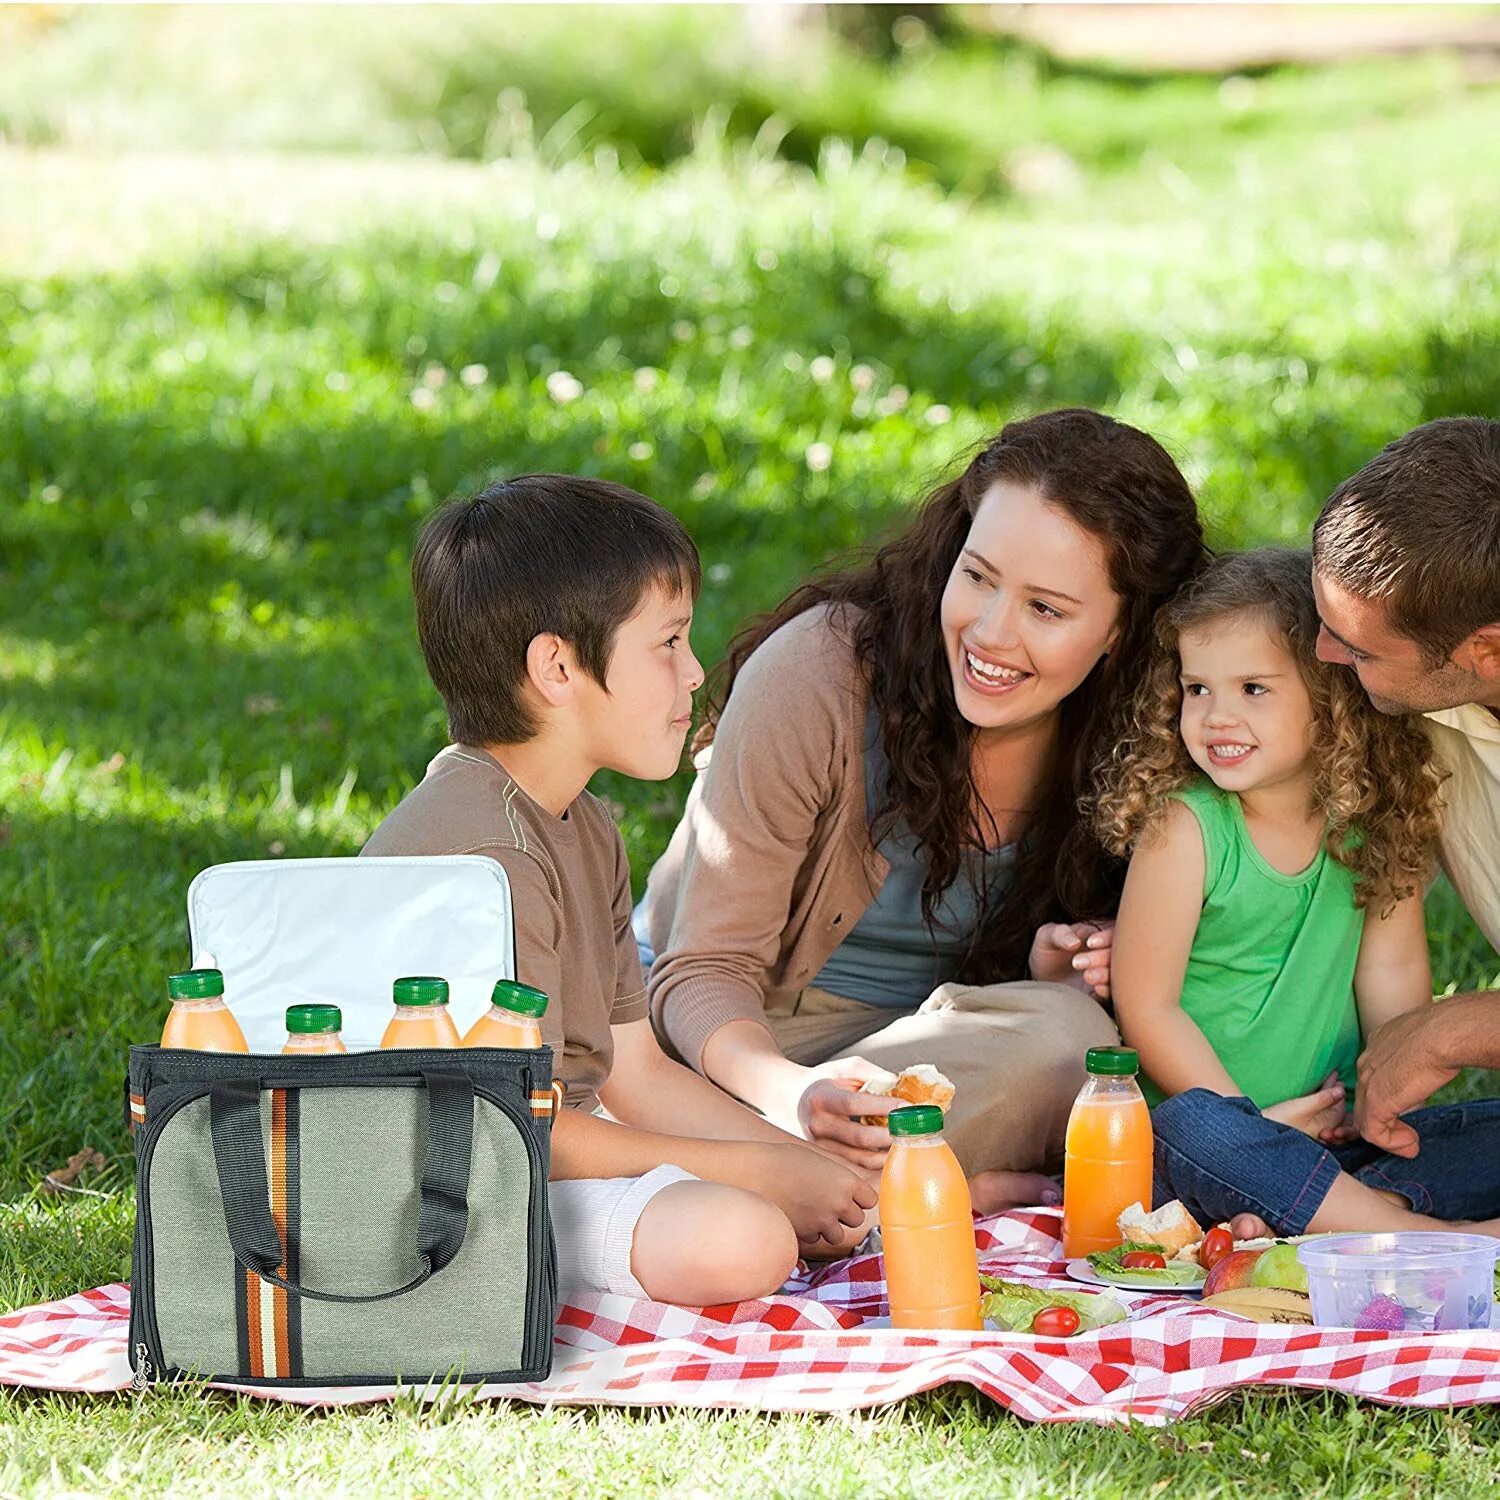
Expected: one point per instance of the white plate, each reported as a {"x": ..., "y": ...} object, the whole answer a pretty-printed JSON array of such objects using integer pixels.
[{"x": 1081, "y": 1270}]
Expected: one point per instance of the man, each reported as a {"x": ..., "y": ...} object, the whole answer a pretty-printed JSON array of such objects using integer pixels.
[{"x": 1406, "y": 569}]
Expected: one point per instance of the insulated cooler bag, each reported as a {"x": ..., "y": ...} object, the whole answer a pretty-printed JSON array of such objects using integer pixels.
[
  {"x": 343, "y": 1220},
  {"x": 350, "y": 1220}
]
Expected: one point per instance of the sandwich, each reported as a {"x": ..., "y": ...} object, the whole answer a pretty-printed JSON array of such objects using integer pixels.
[
  {"x": 1171, "y": 1226},
  {"x": 922, "y": 1084}
]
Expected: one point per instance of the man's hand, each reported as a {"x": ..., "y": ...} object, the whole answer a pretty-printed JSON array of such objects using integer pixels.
[
  {"x": 823, "y": 1198},
  {"x": 1404, "y": 1064},
  {"x": 1076, "y": 953},
  {"x": 1320, "y": 1114},
  {"x": 829, "y": 1111}
]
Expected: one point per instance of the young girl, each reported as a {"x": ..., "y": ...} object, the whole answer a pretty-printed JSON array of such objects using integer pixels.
[{"x": 1272, "y": 916}]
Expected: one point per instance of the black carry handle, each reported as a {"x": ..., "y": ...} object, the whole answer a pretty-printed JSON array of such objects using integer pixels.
[{"x": 240, "y": 1156}]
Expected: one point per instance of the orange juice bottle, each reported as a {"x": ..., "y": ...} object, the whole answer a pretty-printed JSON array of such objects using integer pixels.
[
  {"x": 421, "y": 1018},
  {"x": 314, "y": 1029},
  {"x": 927, "y": 1226},
  {"x": 514, "y": 1018},
  {"x": 199, "y": 1019},
  {"x": 1108, "y": 1161}
]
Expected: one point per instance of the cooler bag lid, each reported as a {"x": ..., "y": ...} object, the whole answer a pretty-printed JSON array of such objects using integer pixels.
[{"x": 338, "y": 931}]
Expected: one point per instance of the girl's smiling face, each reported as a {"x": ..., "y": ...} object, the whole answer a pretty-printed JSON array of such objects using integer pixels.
[
  {"x": 1028, "y": 609},
  {"x": 1247, "y": 717}
]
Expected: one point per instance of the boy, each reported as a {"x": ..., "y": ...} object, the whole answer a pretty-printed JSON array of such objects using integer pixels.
[{"x": 553, "y": 615}]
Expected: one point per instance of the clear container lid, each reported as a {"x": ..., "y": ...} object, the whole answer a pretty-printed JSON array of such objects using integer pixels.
[{"x": 1401, "y": 1250}]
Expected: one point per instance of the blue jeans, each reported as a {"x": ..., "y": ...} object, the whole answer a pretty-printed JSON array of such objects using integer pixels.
[{"x": 1222, "y": 1157}]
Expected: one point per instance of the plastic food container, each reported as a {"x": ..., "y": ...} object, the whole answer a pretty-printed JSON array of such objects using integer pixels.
[{"x": 1409, "y": 1282}]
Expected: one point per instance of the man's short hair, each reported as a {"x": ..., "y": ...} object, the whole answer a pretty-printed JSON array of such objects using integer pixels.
[
  {"x": 1419, "y": 529},
  {"x": 540, "y": 554}
]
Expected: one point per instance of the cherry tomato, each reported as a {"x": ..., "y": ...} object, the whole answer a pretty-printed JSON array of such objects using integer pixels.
[
  {"x": 1217, "y": 1243},
  {"x": 1055, "y": 1322},
  {"x": 1143, "y": 1260}
]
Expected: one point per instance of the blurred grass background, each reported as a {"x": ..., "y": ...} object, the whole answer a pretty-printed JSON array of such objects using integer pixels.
[
  {"x": 236, "y": 375},
  {"x": 275, "y": 281}
]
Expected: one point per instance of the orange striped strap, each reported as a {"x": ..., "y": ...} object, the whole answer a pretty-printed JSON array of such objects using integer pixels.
[{"x": 137, "y": 1111}]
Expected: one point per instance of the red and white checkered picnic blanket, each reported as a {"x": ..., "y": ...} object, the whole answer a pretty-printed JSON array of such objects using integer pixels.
[{"x": 819, "y": 1346}]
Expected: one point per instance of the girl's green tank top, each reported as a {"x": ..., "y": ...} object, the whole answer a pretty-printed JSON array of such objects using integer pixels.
[{"x": 1270, "y": 979}]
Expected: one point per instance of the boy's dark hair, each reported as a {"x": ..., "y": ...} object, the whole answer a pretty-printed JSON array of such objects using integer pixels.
[
  {"x": 539, "y": 554},
  {"x": 1419, "y": 529}
]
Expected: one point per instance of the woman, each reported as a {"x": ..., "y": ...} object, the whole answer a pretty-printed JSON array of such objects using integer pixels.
[{"x": 881, "y": 863}]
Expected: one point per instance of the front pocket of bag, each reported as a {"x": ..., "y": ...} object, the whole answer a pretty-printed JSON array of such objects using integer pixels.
[{"x": 344, "y": 1166}]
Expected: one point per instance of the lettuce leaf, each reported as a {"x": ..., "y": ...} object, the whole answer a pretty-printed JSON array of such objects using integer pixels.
[
  {"x": 1013, "y": 1304},
  {"x": 1106, "y": 1263}
]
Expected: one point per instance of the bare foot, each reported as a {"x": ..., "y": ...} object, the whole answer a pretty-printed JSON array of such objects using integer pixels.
[
  {"x": 994, "y": 1191},
  {"x": 1250, "y": 1227}
]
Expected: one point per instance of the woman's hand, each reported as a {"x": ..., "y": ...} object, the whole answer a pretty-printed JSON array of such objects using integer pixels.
[
  {"x": 830, "y": 1107},
  {"x": 1076, "y": 953}
]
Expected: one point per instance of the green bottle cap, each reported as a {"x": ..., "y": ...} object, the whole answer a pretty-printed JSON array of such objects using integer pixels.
[
  {"x": 1113, "y": 1062},
  {"x": 420, "y": 989},
  {"x": 314, "y": 1020},
  {"x": 196, "y": 984},
  {"x": 511, "y": 995},
  {"x": 915, "y": 1119}
]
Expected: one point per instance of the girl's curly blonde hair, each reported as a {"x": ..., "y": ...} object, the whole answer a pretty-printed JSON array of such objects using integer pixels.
[{"x": 1374, "y": 776}]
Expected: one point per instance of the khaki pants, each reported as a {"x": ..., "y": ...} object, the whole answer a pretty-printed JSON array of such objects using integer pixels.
[{"x": 1013, "y": 1052}]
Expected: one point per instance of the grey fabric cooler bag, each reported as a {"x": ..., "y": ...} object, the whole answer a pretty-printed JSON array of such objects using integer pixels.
[{"x": 348, "y": 1220}]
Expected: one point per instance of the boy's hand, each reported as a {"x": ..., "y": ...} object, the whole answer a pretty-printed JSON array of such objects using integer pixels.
[
  {"x": 823, "y": 1198},
  {"x": 1321, "y": 1114},
  {"x": 830, "y": 1108},
  {"x": 1076, "y": 953}
]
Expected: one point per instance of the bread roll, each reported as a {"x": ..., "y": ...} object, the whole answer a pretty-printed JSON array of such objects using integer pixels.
[
  {"x": 1171, "y": 1227},
  {"x": 921, "y": 1084}
]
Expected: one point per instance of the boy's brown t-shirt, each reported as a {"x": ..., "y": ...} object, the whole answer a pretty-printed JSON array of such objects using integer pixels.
[{"x": 570, "y": 890}]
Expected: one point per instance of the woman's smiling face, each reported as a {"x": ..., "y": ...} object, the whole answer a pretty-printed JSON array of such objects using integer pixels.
[{"x": 1028, "y": 609}]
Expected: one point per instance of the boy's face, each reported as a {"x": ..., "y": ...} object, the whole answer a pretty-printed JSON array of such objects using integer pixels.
[{"x": 639, "y": 725}]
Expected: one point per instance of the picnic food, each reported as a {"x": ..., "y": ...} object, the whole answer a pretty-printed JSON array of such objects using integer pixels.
[
  {"x": 314, "y": 1029},
  {"x": 1108, "y": 1159},
  {"x": 1413, "y": 1281},
  {"x": 919, "y": 1084},
  {"x": 1279, "y": 1266},
  {"x": 1144, "y": 1265},
  {"x": 1382, "y": 1312},
  {"x": 1217, "y": 1243},
  {"x": 1233, "y": 1271},
  {"x": 1014, "y": 1305},
  {"x": 927, "y": 1226},
  {"x": 1055, "y": 1322},
  {"x": 513, "y": 1019},
  {"x": 199, "y": 1020},
  {"x": 1262, "y": 1304},
  {"x": 421, "y": 1017},
  {"x": 1171, "y": 1227}
]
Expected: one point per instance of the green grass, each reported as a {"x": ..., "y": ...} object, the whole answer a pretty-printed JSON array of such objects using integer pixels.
[{"x": 232, "y": 385}]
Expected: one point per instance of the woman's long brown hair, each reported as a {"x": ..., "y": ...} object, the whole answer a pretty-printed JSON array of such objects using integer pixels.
[{"x": 1122, "y": 487}]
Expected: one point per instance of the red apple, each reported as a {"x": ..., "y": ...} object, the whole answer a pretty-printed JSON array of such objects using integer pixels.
[{"x": 1233, "y": 1271}]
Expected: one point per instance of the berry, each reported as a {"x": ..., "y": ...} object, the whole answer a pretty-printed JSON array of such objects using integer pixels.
[{"x": 1382, "y": 1313}]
